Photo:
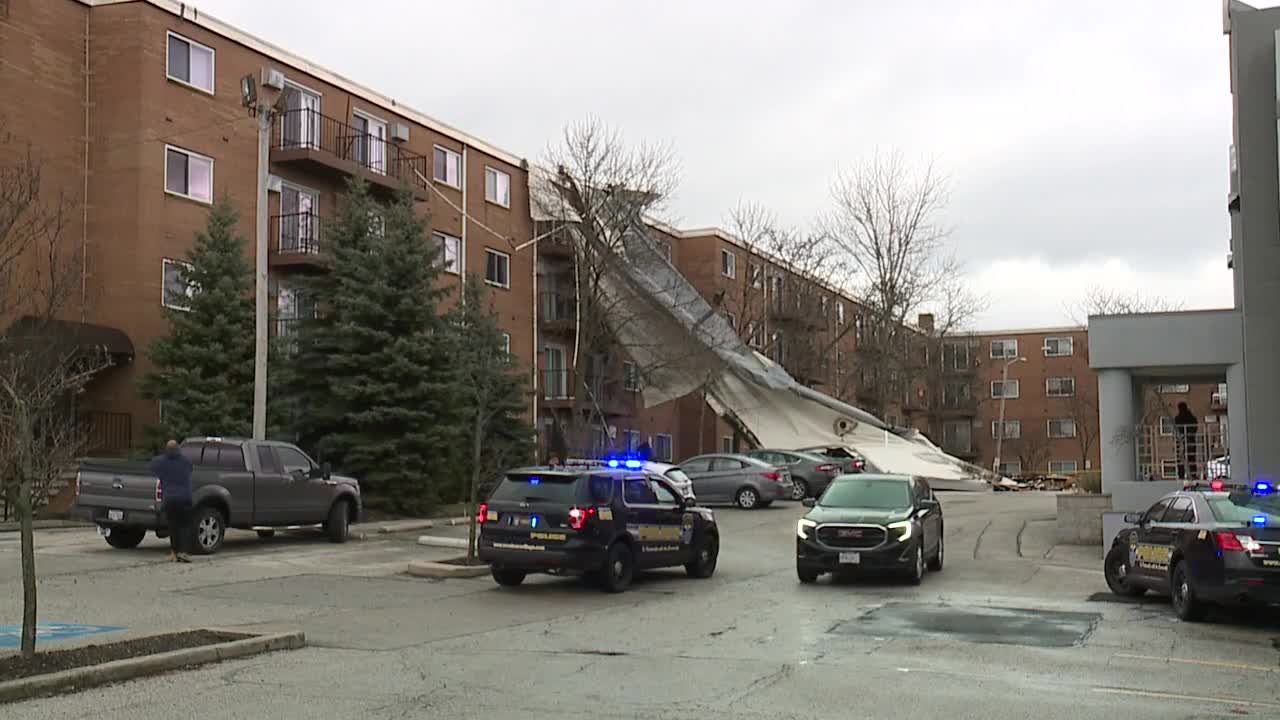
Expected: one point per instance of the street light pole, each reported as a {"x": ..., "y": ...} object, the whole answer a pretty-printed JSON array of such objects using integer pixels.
[
  {"x": 261, "y": 297},
  {"x": 1004, "y": 381}
]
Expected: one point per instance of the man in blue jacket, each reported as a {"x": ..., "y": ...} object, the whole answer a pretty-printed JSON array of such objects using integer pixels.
[{"x": 174, "y": 472}]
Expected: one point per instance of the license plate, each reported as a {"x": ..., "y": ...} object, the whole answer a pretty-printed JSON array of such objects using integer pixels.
[
  {"x": 850, "y": 558},
  {"x": 115, "y": 515}
]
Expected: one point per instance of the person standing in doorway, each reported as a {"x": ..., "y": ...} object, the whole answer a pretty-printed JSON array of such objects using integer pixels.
[
  {"x": 174, "y": 472},
  {"x": 1186, "y": 431}
]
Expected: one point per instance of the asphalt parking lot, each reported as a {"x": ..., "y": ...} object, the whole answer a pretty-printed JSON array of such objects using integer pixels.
[{"x": 1014, "y": 627}]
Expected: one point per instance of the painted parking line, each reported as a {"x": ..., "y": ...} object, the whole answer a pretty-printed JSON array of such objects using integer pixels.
[
  {"x": 11, "y": 635},
  {"x": 1178, "y": 696},
  {"x": 1206, "y": 663}
]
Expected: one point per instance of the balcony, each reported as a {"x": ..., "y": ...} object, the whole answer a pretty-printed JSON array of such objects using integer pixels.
[
  {"x": 559, "y": 387},
  {"x": 558, "y": 311},
  {"x": 306, "y": 138},
  {"x": 958, "y": 406},
  {"x": 295, "y": 240}
]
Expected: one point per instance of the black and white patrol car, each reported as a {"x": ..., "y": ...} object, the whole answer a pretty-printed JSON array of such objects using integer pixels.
[
  {"x": 1207, "y": 544},
  {"x": 604, "y": 523}
]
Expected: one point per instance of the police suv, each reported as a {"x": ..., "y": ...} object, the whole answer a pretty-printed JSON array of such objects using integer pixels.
[
  {"x": 1210, "y": 543},
  {"x": 603, "y": 521}
]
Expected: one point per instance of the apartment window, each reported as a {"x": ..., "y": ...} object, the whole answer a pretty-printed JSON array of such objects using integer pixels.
[
  {"x": 448, "y": 167},
  {"x": 1062, "y": 467},
  {"x": 188, "y": 174},
  {"x": 370, "y": 141},
  {"x": 506, "y": 343},
  {"x": 630, "y": 377},
  {"x": 1004, "y": 348},
  {"x": 1058, "y": 346},
  {"x": 822, "y": 306},
  {"x": 497, "y": 187},
  {"x": 177, "y": 290},
  {"x": 1169, "y": 468},
  {"x": 1166, "y": 426},
  {"x": 726, "y": 444},
  {"x": 1219, "y": 397},
  {"x": 755, "y": 334},
  {"x": 957, "y": 436},
  {"x": 1062, "y": 428},
  {"x": 955, "y": 356},
  {"x": 190, "y": 63},
  {"x": 757, "y": 275},
  {"x": 1011, "y": 468},
  {"x": 1175, "y": 389},
  {"x": 728, "y": 263},
  {"x": 497, "y": 268},
  {"x": 839, "y": 312},
  {"x": 450, "y": 259},
  {"x": 630, "y": 439},
  {"x": 662, "y": 447},
  {"x": 1007, "y": 389},
  {"x": 732, "y": 320},
  {"x": 957, "y": 395},
  {"x": 1060, "y": 387},
  {"x": 1012, "y": 429}
]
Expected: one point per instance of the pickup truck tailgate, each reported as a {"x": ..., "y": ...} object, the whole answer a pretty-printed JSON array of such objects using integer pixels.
[{"x": 111, "y": 494}]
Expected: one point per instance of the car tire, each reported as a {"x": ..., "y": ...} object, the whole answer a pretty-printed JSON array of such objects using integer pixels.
[
  {"x": 704, "y": 562},
  {"x": 806, "y": 575},
  {"x": 125, "y": 538},
  {"x": 210, "y": 529},
  {"x": 1186, "y": 605},
  {"x": 338, "y": 526},
  {"x": 917, "y": 567},
  {"x": 268, "y": 533},
  {"x": 619, "y": 567},
  {"x": 507, "y": 577},
  {"x": 935, "y": 563},
  {"x": 799, "y": 489},
  {"x": 747, "y": 498},
  {"x": 1115, "y": 568}
]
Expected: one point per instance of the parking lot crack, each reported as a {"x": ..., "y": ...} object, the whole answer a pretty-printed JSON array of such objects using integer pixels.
[
  {"x": 1018, "y": 539},
  {"x": 978, "y": 543}
]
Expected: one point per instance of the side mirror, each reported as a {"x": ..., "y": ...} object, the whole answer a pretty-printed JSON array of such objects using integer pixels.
[
  {"x": 1133, "y": 518},
  {"x": 809, "y": 502},
  {"x": 929, "y": 503}
]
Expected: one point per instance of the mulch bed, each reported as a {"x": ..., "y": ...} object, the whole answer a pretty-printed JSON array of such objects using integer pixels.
[{"x": 15, "y": 667}]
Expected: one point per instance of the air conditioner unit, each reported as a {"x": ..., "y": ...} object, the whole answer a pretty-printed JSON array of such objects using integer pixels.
[
  {"x": 272, "y": 78},
  {"x": 400, "y": 132}
]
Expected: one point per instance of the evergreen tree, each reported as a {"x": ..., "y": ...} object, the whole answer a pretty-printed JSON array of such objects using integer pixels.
[
  {"x": 492, "y": 396},
  {"x": 203, "y": 368},
  {"x": 369, "y": 380}
]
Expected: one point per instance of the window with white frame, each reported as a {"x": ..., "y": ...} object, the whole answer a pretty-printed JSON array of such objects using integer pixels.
[
  {"x": 1169, "y": 468},
  {"x": 1012, "y": 429},
  {"x": 839, "y": 312},
  {"x": 822, "y": 306},
  {"x": 450, "y": 257},
  {"x": 1004, "y": 348},
  {"x": 1062, "y": 428},
  {"x": 630, "y": 377},
  {"x": 755, "y": 334},
  {"x": 506, "y": 343},
  {"x": 955, "y": 356},
  {"x": 1060, "y": 386},
  {"x": 190, "y": 63},
  {"x": 757, "y": 275},
  {"x": 1062, "y": 467},
  {"x": 728, "y": 263},
  {"x": 1173, "y": 389},
  {"x": 497, "y": 187},
  {"x": 188, "y": 174},
  {"x": 1058, "y": 346},
  {"x": 447, "y": 167},
  {"x": 662, "y": 447},
  {"x": 177, "y": 290},
  {"x": 1010, "y": 468},
  {"x": 1219, "y": 397},
  {"x": 1007, "y": 389},
  {"x": 726, "y": 444},
  {"x": 497, "y": 268},
  {"x": 630, "y": 439},
  {"x": 1166, "y": 426}
]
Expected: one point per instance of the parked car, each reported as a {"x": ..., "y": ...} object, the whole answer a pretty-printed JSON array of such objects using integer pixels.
[
  {"x": 810, "y": 473},
  {"x": 236, "y": 483},
  {"x": 850, "y": 461},
  {"x": 739, "y": 479}
]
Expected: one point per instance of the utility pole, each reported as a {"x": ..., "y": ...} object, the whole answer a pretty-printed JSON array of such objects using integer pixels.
[
  {"x": 264, "y": 112},
  {"x": 1004, "y": 381}
]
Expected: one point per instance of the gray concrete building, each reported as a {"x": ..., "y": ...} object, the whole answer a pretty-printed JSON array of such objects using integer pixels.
[{"x": 1238, "y": 346}]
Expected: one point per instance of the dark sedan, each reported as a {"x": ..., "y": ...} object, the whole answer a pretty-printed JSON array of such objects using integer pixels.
[
  {"x": 871, "y": 522},
  {"x": 810, "y": 473}
]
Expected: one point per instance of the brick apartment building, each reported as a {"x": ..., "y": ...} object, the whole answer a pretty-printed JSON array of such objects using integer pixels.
[{"x": 133, "y": 108}]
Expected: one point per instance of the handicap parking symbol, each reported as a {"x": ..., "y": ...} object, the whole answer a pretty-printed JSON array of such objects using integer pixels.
[{"x": 11, "y": 635}]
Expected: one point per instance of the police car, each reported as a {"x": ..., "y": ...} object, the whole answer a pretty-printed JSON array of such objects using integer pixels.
[
  {"x": 1210, "y": 543},
  {"x": 604, "y": 521}
]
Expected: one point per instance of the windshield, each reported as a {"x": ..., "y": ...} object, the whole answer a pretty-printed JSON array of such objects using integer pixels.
[
  {"x": 1241, "y": 508},
  {"x": 867, "y": 493},
  {"x": 528, "y": 487}
]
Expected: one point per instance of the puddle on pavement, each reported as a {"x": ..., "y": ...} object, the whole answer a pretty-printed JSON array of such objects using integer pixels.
[{"x": 976, "y": 624}]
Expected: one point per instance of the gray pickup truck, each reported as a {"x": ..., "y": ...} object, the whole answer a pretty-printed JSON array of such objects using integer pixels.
[{"x": 236, "y": 483}]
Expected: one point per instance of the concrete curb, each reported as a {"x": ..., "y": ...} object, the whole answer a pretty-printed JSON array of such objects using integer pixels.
[
  {"x": 129, "y": 668},
  {"x": 454, "y": 521},
  {"x": 428, "y": 569},
  {"x": 444, "y": 542}
]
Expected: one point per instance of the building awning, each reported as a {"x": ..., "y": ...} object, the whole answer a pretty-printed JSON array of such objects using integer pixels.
[{"x": 71, "y": 335}]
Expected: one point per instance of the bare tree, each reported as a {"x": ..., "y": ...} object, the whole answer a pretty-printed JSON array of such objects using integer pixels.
[
  {"x": 886, "y": 217},
  {"x": 1033, "y": 452},
  {"x": 43, "y": 366},
  {"x": 1084, "y": 413}
]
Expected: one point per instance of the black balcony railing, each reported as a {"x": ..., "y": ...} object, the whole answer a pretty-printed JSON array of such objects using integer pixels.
[
  {"x": 305, "y": 129},
  {"x": 296, "y": 233}
]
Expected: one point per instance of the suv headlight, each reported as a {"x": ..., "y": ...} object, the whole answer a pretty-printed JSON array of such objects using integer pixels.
[
  {"x": 904, "y": 529},
  {"x": 804, "y": 526}
]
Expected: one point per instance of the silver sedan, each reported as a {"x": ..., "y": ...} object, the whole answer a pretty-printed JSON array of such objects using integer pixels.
[{"x": 738, "y": 479}]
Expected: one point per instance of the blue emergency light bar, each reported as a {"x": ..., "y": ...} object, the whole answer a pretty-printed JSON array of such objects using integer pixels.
[
  {"x": 1260, "y": 520},
  {"x": 1262, "y": 487}
]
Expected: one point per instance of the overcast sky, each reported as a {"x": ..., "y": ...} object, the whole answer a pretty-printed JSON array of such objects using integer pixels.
[{"x": 1085, "y": 142}]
